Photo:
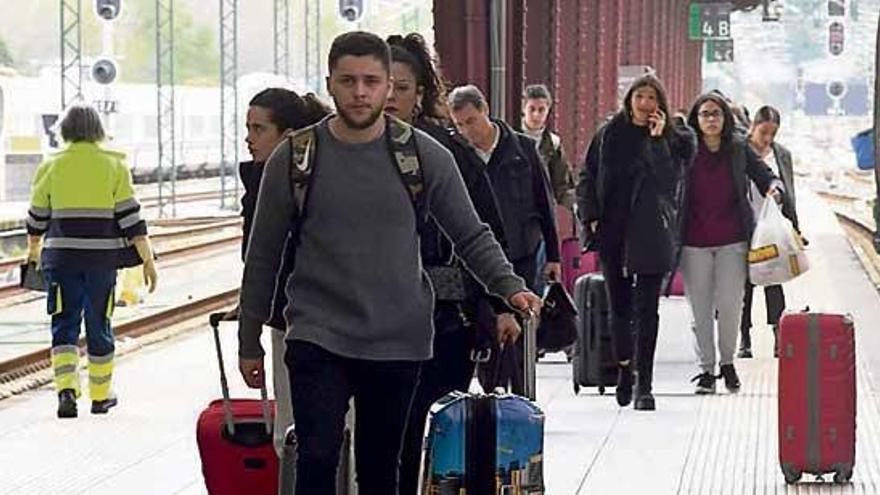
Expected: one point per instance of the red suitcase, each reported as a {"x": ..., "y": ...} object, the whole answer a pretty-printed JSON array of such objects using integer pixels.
[
  {"x": 817, "y": 395},
  {"x": 235, "y": 440}
]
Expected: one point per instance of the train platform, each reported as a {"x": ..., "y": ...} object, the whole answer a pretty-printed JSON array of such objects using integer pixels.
[{"x": 721, "y": 444}]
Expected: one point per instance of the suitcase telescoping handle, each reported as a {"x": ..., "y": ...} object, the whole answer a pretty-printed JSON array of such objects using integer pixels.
[
  {"x": 228, "y": 418},
  {"x": 530, "y": 348}
]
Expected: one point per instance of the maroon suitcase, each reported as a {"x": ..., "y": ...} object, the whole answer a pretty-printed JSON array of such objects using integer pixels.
[
  {"x": 576, "y": 263},
  {"x": 817, "y": 395},
  {"x": 235, "y": 440}
]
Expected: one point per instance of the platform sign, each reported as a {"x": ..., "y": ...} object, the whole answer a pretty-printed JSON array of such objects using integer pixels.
[
  {"x": 719, "y": 51},
  {"x": 709, "y": 21}
]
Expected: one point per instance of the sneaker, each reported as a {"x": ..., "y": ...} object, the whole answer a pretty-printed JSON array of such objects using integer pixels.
[
  {"x": 624, "y": 390},
  {"x": 102, "y": 406},
  {"x": 744, "y": 353},
  {"x": 731, "y": 380},
  {"x": 67, "y": 403},
  {"x": 644, "y": 402},
  {"x": 705, "y": 383}
]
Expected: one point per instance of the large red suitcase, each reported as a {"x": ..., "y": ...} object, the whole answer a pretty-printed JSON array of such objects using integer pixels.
[
  {"x": 817, "y": 395},
  {"x": 235, "y": 440}
]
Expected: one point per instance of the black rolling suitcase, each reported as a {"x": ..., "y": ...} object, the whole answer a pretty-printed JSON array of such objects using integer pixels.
[{"x": 593, "y": 363}]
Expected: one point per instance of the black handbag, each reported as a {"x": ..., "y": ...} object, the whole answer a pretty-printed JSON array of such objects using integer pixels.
[
  {"x": 31, "y": 277},
  {"x": 557, "y": 329}
]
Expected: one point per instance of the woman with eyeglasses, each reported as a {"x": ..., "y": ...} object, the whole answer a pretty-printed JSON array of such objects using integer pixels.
[{"x": 716, "y": 224}]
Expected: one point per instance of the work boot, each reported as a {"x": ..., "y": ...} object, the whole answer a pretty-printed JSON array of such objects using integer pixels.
[
  {"x": 624, "y": 390},
  {"x": 731, "y": 380},
  {"x": 102, "y": 406},
  {"x": 67, "y": 403}
]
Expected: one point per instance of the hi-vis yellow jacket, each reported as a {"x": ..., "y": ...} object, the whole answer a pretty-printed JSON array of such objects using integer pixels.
[{"x": 82, "y": 199}]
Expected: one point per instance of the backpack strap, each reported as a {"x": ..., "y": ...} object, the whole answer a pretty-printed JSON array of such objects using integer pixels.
[
  {"x": 405, "y": 154},
  {"x": 302, "y": 165}
]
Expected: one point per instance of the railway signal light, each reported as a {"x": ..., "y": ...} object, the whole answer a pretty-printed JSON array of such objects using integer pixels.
[
  {"x": 351, "y": 10},
  {"x": 835, "y": 38},
  {"x": 108, "y": 9}
]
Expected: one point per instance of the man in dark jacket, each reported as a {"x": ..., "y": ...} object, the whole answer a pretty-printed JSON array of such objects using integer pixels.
[
  {"x": 537, "y": 103},
  {"x": 522, "y": 188}
]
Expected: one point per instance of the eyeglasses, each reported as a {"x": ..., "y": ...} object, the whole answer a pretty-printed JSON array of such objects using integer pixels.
[{"x": 714, "y": 114}]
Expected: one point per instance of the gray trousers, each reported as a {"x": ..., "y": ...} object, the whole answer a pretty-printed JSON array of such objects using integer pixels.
[
  {"x": 714, "y": 280},
  {"x": 281, "y": 382}
]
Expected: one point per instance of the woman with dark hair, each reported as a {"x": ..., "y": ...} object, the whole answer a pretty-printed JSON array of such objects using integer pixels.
[
  {"x": 762, "y": 140},
  {"x": 272, "y": 114},
  {"x": 626, "y": 198},
  {"x": 418, "y": 98},
  {"x": 715, "y": 229}
]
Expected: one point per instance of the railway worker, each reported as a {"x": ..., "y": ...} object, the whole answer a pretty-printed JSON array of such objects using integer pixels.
[
  {"x": 714, "y": 232},
  {"x": 359, "y": 320},
  {"x": 83, "y": 204},
  {"x": 626, "y": 197},
  {"x": 272, "y": 114},
  {"x": 762, "y": 139},
  {"x": 463, "y": 313},
  {"x": 522, "y": 189}
]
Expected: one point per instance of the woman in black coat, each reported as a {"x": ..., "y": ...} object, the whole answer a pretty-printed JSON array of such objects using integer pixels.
[{"x": 626, "y": 201}]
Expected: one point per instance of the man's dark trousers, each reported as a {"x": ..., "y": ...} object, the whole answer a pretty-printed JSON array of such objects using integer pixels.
[{"x": 321, "y": 385}]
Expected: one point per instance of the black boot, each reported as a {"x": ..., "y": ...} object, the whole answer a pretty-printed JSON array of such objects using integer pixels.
[
  {"x": 775, "y": 340},
  {"x": 624, "y": 390},
  {"x": 102, "y": 406},
  {"x": 745, "y": 343},
  {"x": 67, "y": 403},
  {"x": 644, "y": 399}
]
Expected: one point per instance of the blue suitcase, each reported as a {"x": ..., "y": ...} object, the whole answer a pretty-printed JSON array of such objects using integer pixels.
[{"x": 484, "y": 445}]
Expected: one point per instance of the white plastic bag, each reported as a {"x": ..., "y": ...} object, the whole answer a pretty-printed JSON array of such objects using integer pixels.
[{"x": 777, "y": 251}]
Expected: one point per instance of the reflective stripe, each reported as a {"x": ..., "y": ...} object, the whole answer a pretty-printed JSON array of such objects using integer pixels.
[
  {"x": 37, "y": 224},
  {"x": 101, "y": 359},
  {"x": 83, "y": 213},
  {"x": 129, "y": 220},
  {"x": 59, "y": 305},
  {"x": 61, "y": 350},
  {"x": 66, "y": 368},
  {"x": 126, "y": 204},
  {"x": 100, "y": 380},
  {"x": 40, "y": 212},
  {"x": 111, "y": 305},
  {"x": 80, "y": 243}
]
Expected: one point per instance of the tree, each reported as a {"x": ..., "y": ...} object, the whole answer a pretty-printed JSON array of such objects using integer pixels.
[{"x": 5, "y": 57}]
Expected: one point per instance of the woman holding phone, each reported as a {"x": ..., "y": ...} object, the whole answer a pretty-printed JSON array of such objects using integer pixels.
[{"x": 626, "y": 198}]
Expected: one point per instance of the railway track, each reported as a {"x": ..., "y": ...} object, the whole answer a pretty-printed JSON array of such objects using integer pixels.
[
  {"x": 162, "y": 254},
  {"x": 861, "y": 239},
  {"x": 35, "y": 367}
]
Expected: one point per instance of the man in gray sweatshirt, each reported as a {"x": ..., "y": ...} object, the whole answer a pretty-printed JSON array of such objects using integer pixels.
[{"x": 359, "y": 317}]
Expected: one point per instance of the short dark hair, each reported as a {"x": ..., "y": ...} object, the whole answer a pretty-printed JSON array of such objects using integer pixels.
[
  {"x": 767, "y": 114},
  {"x": 82, "y": 123},
  {"x": 537, "y": 91},
  {"x": 467, "y": 95},
  {"x": 359, "y": 44},
  {"x": 287, "y": 110},
  {"x": 729, "y": 122}
]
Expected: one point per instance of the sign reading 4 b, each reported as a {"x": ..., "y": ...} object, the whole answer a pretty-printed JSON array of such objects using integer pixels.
[{"x": 709, "y": 21}]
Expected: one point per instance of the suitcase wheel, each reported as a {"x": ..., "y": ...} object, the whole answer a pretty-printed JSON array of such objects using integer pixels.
[
  {"x": 843, "y": 476},
  {"x": 601, "y": 390},
  {"x": 791, "y": 476}
]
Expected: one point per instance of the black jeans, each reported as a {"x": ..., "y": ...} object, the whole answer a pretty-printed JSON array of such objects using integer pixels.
[
  {"x": 634, "y": 315},
  {"x": 450, "y": 369},
  {"x": 321, "y": 384},
  {"x": 774, "y": 298}
]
